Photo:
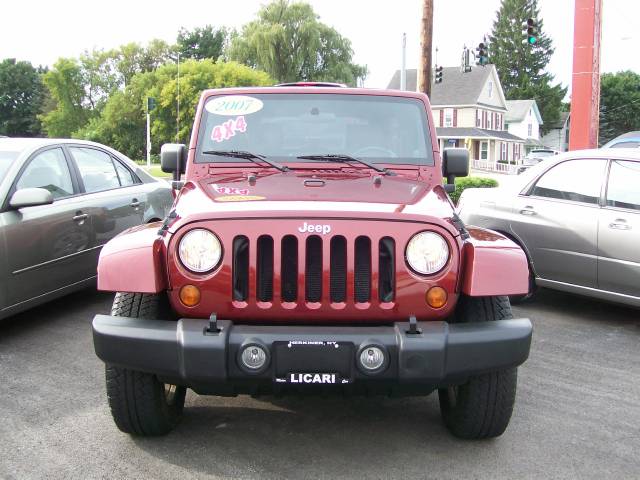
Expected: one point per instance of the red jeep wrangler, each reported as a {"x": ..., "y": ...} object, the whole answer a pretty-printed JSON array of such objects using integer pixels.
[{"x": 312, "y": 248}]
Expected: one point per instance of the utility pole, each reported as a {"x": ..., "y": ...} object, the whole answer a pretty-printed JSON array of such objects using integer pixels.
[
  {"x": 403, "y": 70},
  {"x": 178, "y": 109},
  {"x": 148, "y": 138},
  {"x": 426, "y": 38},
  {"x": 151, "y": 105},
  {"x": 585, "y": 85}
]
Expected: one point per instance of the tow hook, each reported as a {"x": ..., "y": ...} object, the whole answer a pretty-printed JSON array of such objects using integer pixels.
[
  {"x": 212, "y": 328},
  {"x": 413, "y": 326}
]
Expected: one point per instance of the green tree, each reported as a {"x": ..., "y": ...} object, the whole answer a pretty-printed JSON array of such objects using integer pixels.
[
  {"x": 521, "y": 66},
  {"x": 202, "y": 43},
  {"x": 81, "y": 88},
  {"x": 619, "y": 104},
  {"x": 134, "y": 58},
  {"x": 22, "y": 96},
  {"x": 122, "y": 122},
  {"x": 289, "y": 42},
  {"x": 70, "y": 112}
]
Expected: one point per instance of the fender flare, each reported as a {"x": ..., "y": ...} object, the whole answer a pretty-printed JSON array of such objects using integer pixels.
[
  {"x": 493, "y": 264},
  {"x": 133, "y": 261}
]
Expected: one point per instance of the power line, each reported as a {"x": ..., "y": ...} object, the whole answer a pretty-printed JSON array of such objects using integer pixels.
[{"x": 628, "y": 104}]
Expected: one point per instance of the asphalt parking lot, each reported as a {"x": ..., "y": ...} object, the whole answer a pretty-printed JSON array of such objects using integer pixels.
[{"x": 577, "y": 413}]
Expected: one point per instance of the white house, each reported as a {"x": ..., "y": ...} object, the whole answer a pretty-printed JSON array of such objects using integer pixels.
[
  {"x": 469, "y": 111},
  {"x": 558, "y": 135},
  {"x": 523, "y": 120}
]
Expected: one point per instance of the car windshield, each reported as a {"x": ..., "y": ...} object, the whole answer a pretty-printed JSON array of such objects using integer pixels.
[
  {"x": 539, "y": 153},
  {"x": 626, "y": 144},
  {"x": 529, "y": 174},
  {"x": 6, "y": 159},
  {"x": 283, "y": 127}
]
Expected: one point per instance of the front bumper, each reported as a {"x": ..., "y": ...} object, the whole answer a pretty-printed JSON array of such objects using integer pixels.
[{"x": 185, "y": 353}]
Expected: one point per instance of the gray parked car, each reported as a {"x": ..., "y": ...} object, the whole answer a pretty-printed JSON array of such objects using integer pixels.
[
  {"x": 577, "y": 216},
  {"x": 60, "y": 202}
]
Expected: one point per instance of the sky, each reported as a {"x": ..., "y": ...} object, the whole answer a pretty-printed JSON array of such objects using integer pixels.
[{"x": 45, "y": 30}]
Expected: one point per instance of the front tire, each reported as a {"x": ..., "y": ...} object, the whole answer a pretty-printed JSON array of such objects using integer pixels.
[
  {"x": 140, "y": 404},
  {"x": 481, "y": 407}
]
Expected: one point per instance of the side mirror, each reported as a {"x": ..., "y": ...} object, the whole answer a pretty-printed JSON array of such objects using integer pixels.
[
  {"x": 173, "y": 158},
  {"x": 30, "y": 197},
  {"x": 455, "y": 163}
]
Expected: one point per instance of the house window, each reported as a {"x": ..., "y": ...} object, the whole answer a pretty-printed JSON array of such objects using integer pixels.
[
  {"x": 484, "y": 150},
  {"x": 529, "y": 130},
  {"x": 490, "y": 89},
  {"x": 478, "y": 118},
  {"x": 503, "y": 150},
  {"x": 490, "y": 121},
  {"x": 448, "y": 117}
]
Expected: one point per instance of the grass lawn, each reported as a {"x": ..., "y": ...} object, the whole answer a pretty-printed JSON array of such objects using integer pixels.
[{"x": 154, "y": 170}]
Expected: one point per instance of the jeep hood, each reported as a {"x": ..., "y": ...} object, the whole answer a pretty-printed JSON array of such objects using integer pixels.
[{"x": 299, "y": 194}]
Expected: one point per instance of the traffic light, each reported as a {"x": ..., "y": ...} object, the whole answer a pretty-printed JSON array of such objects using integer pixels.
[
  {"x": 438, "y": 75},
  {"x": 531, "y": 31},
  {"x": 151, "y": 103},
  {"x": 482, "y": 54}
]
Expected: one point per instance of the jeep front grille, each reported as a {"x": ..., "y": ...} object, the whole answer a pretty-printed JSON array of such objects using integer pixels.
[{"x": 326, "y": 263}]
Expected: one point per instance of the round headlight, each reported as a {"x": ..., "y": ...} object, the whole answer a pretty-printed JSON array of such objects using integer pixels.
[
  {"x": 200, "y": 250},
  {"x": 427, "y": 252}
]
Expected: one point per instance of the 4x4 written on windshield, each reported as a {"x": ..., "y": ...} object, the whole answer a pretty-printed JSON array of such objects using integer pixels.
[{"x": 317, "y": 127}]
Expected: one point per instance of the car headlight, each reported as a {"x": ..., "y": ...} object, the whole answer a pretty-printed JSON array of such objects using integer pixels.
[
  {"x": 427, "y": 252},
  {"x": 200, "y": 250}
]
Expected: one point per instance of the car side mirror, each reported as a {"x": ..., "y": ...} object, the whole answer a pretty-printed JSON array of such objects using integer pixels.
[
  {"x": 455, "y": 163},
  {"x": 173, "y": 159},
  {"x": 30, "y": 197}
]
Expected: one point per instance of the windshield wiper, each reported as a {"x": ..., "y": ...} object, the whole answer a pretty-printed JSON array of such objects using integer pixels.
[
  {"x": 339, "y": 157},
  {"x": 254, "y": 157}
]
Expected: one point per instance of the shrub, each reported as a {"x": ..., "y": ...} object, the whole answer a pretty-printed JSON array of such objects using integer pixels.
[{"x": 471, "y": 182}]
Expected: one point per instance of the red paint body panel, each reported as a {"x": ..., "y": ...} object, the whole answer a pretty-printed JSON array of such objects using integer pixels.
[
  {"x": 493, "y": 265},
  {"x": 395, "y": 199},
  {"x": 277, "y": 203},
  {"x": 133, "y": 261},
  {"x": 585, "y": 87}
]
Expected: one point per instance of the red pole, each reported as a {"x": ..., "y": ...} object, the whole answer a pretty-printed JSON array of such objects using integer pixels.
[{"x": 585, "y": 87}]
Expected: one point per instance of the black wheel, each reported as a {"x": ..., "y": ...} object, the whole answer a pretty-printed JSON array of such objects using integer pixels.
[
  {"x": 141, "y": 404},
  {"x": 481, "y": 407}
]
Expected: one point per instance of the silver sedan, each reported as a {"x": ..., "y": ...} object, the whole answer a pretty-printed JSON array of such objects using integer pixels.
[
  {"x": 60, "y": 202},
  {"x": 577, "y": 217}
]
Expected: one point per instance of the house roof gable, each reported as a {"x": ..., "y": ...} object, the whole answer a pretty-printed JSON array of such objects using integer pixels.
[
  {"x": 457, "y": 88},
  {"x": 517, "y": 110}
]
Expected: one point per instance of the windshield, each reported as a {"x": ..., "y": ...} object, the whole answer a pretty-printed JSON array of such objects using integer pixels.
[
  {"x": 528, "y": 161},
  {"x": 378, "y": 129},
  {"x": 540, "y": 153},
  {"x": 6, "y": 158}
]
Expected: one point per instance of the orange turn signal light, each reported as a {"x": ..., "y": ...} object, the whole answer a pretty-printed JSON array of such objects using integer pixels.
[
  {"x": 190, "y": 295},
  {"x": 436, "y": 297}
]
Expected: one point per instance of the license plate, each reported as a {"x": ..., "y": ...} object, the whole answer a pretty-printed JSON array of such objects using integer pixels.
[
  {"x": 312, "y": 379},
  {"x": 313, "y": 362}
]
